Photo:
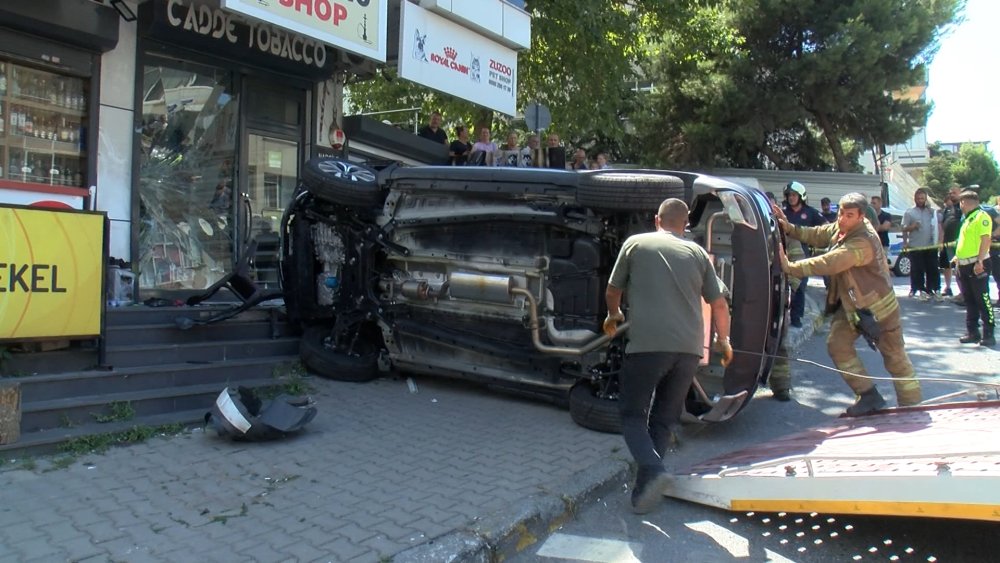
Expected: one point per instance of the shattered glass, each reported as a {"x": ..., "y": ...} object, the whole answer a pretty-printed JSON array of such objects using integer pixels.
[{"x": 186, "y": 175}]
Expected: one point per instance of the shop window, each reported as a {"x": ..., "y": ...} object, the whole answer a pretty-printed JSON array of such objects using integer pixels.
[
  {"x": 43, "y": 125},
  {"x": 186, "y": 176}
]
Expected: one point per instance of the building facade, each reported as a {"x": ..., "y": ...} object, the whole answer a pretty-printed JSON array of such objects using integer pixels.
[{"x": 187, "y": 121}]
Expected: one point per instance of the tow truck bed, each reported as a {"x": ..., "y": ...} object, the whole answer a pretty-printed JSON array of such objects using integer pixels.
[{"x": 939, "y": 461}]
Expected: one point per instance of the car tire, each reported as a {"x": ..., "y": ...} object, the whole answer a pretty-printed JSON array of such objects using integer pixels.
[
  {"x": 342, "y": 181},
  {"x": 592, "y": 412},
  {"x": 332, "y": 364},
  {"x": 902, "y": 266},
  {"x": 625, "y": 191}
]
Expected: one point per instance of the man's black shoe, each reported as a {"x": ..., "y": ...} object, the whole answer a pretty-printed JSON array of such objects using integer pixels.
[
  {"x": 783, "y": 395},
  {"x": 988, "y": 341},
  {"x": 970, "y": 338},
  {"x": 650, "y": 484},
  {"x": 797, "y": 323}
]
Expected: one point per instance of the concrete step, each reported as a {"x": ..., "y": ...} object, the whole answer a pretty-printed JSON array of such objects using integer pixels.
[
  {"x": 48, "y": 441},
  {"x": 199, "y": 352},
  {"x": 127, "y": 335},
  {"x": 76, "y": 358},
  {"x": 107, "y": 382},
  {"x": 84, "y": 410}
]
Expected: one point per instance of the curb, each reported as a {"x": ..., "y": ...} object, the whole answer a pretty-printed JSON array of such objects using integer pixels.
[
  {"x": 523, "y": 523},
  {"x": 796, "y": 337}
]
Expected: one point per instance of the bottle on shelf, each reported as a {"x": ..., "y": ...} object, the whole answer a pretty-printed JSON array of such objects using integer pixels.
[
  {"x": 29, "y": 125},
  {"x": 3, "y": 79}
]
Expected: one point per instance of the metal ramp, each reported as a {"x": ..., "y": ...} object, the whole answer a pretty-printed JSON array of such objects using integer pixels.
[{"x": 938, "y": 461}]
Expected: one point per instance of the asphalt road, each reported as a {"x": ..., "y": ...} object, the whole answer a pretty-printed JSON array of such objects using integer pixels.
[{"x": 607, "y": 530}]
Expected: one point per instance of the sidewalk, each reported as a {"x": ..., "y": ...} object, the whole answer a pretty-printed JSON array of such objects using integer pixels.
[
  {"x": 452, "y": 473},
  {"x": 379, "y": 471}
]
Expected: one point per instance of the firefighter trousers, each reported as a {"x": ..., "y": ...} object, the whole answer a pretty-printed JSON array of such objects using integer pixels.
[{"x": 840, "y": 344}]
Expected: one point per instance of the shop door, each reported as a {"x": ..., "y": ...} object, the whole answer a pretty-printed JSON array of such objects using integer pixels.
[
  {"x": 273, "y": 139},
  {"x": 272, "y": 172}
]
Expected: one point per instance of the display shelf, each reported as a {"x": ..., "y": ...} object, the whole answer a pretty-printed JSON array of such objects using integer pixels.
[
  {"x": 44, "y": 146},
  {"x": 43, "y": 106}
]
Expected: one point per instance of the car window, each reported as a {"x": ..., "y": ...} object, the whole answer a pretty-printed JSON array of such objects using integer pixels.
[{"x": 738, "y": 208}]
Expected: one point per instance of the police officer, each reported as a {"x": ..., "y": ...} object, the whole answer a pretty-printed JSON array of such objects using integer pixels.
[
  {"x": 973, "y": 260},
  {"x": 861, "y": 299}
]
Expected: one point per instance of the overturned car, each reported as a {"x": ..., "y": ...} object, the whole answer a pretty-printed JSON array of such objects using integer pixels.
[{"x": 498, "y": 275}]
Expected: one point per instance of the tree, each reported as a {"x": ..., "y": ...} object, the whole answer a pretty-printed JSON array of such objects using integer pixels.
[
  {"x": 938, "y": 175},
  {"x": 976, "y": 166},
  {"x": 789, "y": 73}
]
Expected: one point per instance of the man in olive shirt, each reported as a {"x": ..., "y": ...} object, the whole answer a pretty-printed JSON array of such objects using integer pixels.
[
  {"x": 972, "y": 254},
  {"x": 665, "y": 277}
]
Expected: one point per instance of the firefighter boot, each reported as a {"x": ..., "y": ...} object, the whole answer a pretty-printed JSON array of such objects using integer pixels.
[{"x": 868, "y": 402}]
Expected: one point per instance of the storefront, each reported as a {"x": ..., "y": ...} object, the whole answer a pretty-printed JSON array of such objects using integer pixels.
[
  {"x": 224, "y": 106},
  {"x": 50, "y": 53}
]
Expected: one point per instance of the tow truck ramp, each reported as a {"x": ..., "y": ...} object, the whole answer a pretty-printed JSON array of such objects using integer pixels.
[{"x": 939, "y": 461}]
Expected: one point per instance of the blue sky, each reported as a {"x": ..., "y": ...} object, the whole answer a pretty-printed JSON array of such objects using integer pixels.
[{"x": 965, "y": 79}]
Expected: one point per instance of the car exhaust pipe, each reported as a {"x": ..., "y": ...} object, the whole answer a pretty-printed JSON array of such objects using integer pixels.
[{"x": 536, "y": 337}]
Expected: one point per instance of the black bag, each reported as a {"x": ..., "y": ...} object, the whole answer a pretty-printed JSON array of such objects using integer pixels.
[{"x": 868, "y": 327}]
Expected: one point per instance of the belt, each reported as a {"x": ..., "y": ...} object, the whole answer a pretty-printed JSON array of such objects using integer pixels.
[{"x": 967, "y": 261}]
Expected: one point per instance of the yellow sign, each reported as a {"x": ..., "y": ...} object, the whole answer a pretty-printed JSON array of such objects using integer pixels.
[
  {"x": 51, "y": 273},
  {"x": 358, "y": 26}
]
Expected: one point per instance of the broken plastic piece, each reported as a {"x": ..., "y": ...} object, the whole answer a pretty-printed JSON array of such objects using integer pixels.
[{"x": 243, "y": 416}]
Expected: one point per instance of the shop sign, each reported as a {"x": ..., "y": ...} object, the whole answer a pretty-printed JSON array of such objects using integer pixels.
[
  {"x": 204, "y": 27},
  {"x": 358, "y": 26},
  {"x": 447, "y": 57},
  {"x": 41, "y": 199},
  {"x": 51, "y": 273}
]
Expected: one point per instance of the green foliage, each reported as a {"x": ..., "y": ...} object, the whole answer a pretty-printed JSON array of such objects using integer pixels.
[
  {"x": 972, "y": 165},
  {"x": 975, "y": 165},
  {"x": 119, "y": 411},
  {"x": 938, "y": 176},
  {"x": 292, "y": 380},
  {"x": 796, "y": 85},
  {"x": 99, "y": 443}
]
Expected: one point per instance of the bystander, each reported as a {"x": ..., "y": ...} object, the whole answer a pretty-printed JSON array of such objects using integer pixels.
[
  {"x": 665, "y": 278},
  {"x": 920, "y": 241}
]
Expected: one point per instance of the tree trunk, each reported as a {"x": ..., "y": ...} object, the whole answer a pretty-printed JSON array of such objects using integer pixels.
[
  {"x": 10, "y": 412},
  {"x": 774, "y": 157},
  {"x": 834, "y": 141}
]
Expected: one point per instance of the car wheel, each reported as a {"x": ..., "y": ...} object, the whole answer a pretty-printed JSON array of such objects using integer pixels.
[
  {"x": 903, "y": 266},
  {"x": 593, "y": 412},
  {"x": 625, "y": 191},
  {"x": 333, "y": 364},
  {"x": 342, "y": 181}
]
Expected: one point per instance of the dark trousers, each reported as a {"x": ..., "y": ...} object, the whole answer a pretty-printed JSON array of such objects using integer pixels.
[
  {"x": 977, "y": 298},
  {"x": 995, "y": 258},
  {"x": 653, "y": 388},
  {"x": 797, "y": 306},
  {"x": 924, "y": 275}
]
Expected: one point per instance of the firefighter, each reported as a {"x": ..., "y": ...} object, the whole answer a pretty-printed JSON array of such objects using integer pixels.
[
  {"x": 780, "y": 380},
  {"x": 860, "y": 298}
]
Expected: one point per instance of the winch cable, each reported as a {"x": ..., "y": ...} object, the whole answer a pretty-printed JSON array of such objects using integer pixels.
[{"x": 871, "y": 377}]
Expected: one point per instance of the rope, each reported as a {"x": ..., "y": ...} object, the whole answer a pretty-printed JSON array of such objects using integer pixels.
[{"x": 871, "y": 377}]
